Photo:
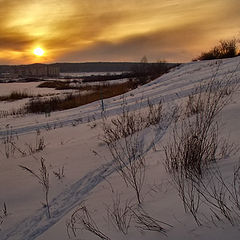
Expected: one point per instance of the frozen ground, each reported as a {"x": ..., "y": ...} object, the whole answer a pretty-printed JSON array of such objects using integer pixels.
[{"x": 73, "y": 140}]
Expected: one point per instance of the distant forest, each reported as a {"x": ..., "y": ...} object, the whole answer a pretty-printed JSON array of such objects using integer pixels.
[{"x": 91, "y": 67}]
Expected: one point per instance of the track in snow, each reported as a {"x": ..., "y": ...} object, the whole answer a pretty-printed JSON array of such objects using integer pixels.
[{"x": 36, "y": 224}]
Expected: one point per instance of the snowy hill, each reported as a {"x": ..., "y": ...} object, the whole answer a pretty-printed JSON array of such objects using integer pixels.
[{"x": 82, "y": 172}]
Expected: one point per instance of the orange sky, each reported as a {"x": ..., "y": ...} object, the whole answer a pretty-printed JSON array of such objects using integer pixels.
[{"x": 113, "y": 30}]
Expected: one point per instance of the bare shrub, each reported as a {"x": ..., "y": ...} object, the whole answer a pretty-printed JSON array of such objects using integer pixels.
[
  {"x": 43, "y": 178},
  {"x": 225, "y": 49},
  {"x": 120, "y": 214},
  {"x": 129, "y": 123},
  {"x": 192, "y": 155},
  {"x": 125, "y": 145},
  {"x": 218, "y": 196},
  {"x": 192, "y": 150},
  {"x": 222, "y": 196},
  {"x": 130, "y": 162},
  {"x": 81, "y": 220},
  {"x": 195, "y": 139},
  {"x": 187, "y": 187},
  {"x": 147, "y": 223},
  {"x": 124, "y": 125}
]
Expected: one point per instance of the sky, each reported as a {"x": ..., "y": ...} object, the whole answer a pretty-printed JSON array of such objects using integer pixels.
[{"x": 113, "y": 30}]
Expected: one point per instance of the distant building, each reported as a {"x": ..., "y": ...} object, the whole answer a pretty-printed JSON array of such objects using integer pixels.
[{"x": 35, "y": 70}]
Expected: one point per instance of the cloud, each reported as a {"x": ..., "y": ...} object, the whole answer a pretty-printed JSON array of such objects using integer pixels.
[
  {"x": 179, "y": 43},
  {"x": 79, "y": 30},
  {"x": 14, "y": 40}
]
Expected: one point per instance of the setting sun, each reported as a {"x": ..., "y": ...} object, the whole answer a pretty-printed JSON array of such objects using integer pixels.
[{"x": 38, "y": 51}]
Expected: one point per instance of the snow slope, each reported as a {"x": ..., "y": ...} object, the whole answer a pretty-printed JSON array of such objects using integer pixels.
[{"x": 73, "y": 140}]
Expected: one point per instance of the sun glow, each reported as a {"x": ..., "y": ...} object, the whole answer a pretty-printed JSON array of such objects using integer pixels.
[{"x": 38, "y": 51}]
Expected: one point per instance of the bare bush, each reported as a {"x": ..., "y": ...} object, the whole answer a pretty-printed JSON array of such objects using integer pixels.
[
  {"x": 192, "y": 155},
  {"x": 130, "y": 162},
  {"x": 222, "y": 196},
  {"x": 195, "y": 139},
  {"x": 120, "y": 214},
  {"x": 125, "y": 145},
  {"x": 129, "y": 123},
  {"x": 187, "y": 187},
  {"x": 147, "y": 223},
  {"x": 219, "y": 197},
  {"x": 212, "y": 197},
  {"x": 81, "y": 220},
  {"x": 126, "y": 124},
  {"x": 225, "y": 49},
  {"x": 43, "y": 179}
]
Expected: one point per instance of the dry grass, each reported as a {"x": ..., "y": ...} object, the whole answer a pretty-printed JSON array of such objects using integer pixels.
[
  {"x": 127, "y": 123},
  {"x": 194, "y": 151},
  {"x": 82, "y": 220},
  {"x": 195, "y": 140},
  {"x": 15, "y": 95},
  {"x": 43, "y": 178},
  {"x": 72, "y": 101}
]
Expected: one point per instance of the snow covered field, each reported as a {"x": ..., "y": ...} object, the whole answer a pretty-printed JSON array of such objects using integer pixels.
[
  {"x": 71, "y": 142},
  {"x": 30, "y": 88}
]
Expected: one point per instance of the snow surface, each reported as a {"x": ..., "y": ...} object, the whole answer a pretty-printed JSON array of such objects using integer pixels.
[
  {"x": 73, "y": 139},
  {"x": 30, "y": 88}
]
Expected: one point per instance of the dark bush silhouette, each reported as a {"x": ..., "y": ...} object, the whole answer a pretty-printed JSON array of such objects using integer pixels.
[{"x": 225, "y": 49}]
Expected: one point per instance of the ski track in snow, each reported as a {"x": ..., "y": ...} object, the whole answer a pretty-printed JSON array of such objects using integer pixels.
[
  {"x": 35, "y": 225},
  {"x": 155, "y": 91},
  {"x": 174, "y": 81}
]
